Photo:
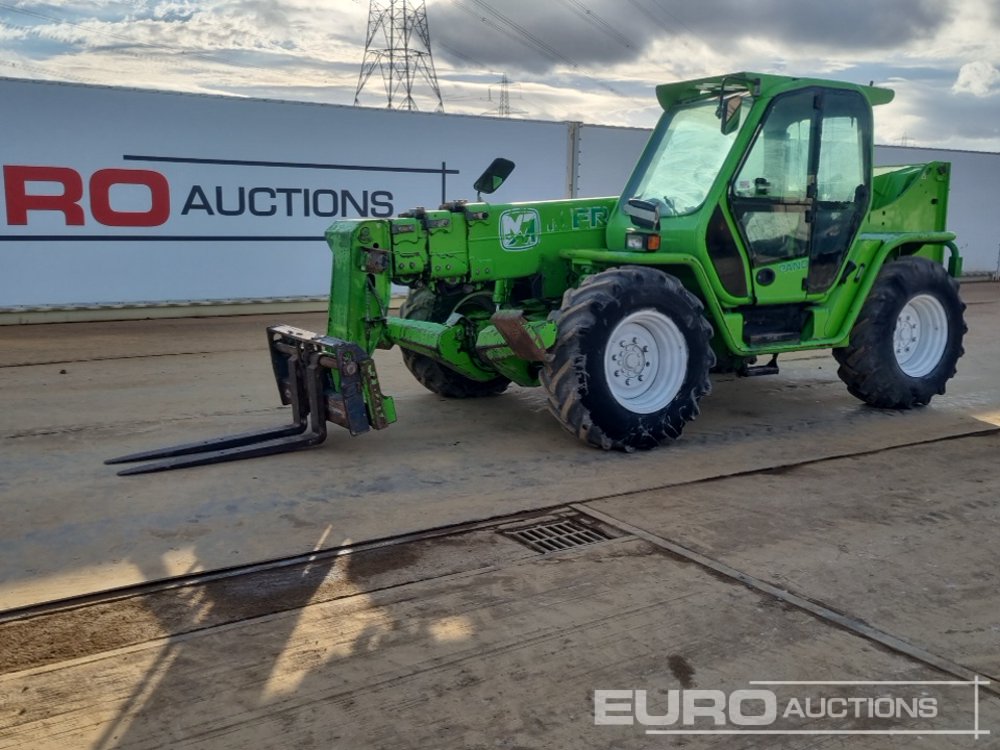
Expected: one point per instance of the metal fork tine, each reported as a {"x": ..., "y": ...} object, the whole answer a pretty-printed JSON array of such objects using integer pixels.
[
  {"x": 212, "y": 444},
  {"x": 281, "y": 445},
  {"x": 302, "y": 363},
  {"x": 253, "y": 444}
]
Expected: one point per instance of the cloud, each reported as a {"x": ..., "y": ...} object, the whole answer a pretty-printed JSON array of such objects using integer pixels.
[
  {"x": 528, "y": 35},
  {"x": 926, "y": 113},
  {"x": 840, "y": 25},
  {"x": 505, "y": 33},
  {"x": 978, "y": 78},
  {"x": 595, "y": 61}
]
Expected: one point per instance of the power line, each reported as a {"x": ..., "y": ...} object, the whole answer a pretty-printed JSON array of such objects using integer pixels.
[
  {"x": 38, "y": 70},
  {"x": 122, "y": 37},
  {"x": 649, "y": 14},
  {"x": 148, "y": 59},
  {"x": 668, "y": 27},
  {"x": 461, "y": 55},
  {"x": 545, "y": 48},
  {"x": 496, "y": 27},
  {"x": 521, "y": 35},
  {"x": 597, "y": 22}
]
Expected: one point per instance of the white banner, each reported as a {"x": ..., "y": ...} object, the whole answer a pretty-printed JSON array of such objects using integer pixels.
[{"x": 117, "y": 195}]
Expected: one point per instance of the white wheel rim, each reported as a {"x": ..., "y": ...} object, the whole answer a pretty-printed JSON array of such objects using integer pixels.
[
  {"x": 921, "y": 335},
  {"x": 645, "y": 361}
]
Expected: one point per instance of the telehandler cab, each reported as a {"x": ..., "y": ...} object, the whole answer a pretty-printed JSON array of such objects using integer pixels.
[{"x": 753, "y": 224}]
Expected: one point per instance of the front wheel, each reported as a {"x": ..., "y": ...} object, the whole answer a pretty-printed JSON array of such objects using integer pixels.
[
  {"x": 631, "y": 359},
  {"x": 907, "y": 338}
]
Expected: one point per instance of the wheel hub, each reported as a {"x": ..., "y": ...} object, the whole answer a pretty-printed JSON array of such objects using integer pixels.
[
  {"x": 632, "y": 361},
  {"x": 920, "y": 337},
  {"x": 907, "y": 333},
  {"x": 645, "y": 361}
]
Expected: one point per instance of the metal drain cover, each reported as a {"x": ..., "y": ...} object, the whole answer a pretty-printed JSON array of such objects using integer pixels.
[{"x": 554, "y": 535}]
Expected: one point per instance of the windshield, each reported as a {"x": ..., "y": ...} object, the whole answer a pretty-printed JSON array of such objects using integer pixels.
[{"x": 689, "y": 154}]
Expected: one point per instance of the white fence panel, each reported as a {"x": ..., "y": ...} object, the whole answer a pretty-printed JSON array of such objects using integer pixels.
[
  {"x": 123, "y": 196},
  {"x": 117, "y": 195}
]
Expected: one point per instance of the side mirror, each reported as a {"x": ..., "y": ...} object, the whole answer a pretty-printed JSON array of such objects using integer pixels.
[
  {"x": 645, "y": 214},
  {"x": 494, "y": 176},
  {"x": 729, "y": 112}
]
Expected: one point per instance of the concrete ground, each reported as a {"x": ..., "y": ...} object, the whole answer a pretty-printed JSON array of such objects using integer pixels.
[{"x": 792, "y": 534}]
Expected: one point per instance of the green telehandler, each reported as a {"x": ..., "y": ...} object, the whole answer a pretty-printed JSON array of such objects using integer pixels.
[{"x": 753, "y": 224}]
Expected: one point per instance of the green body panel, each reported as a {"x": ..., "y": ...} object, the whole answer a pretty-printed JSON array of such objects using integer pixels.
[
  {"x": 493, "y": 347},
  {"x": 527, "y": 255},
  {"x": 517, "y": 241},
  {"x": 484, "y": 243},
  {"x": 446, "y": 343},
  {"x": 911, "y": 198},
  {"x": 359, "y": 300}
]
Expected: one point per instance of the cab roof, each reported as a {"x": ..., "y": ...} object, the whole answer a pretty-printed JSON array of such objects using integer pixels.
[{"x": 759, "y": 84}]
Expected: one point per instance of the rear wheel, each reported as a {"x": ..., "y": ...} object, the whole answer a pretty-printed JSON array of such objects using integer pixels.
[
  {"x": 424, "y": 304},
  {"x": 631, "y": 359},
  {"x": 908, "y": 337}
]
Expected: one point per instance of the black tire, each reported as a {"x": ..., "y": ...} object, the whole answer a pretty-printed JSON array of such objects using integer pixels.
[
  {"x": 908, "y": 289},
  {"x": 424, "y": 304},
  {"x": 580, "y": 394}
]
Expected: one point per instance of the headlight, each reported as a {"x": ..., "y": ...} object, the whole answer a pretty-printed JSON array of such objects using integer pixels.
[{"x": 640, "y": 241}]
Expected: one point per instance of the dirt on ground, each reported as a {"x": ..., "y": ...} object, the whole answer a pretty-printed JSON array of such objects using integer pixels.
[{"x": 370, "y": 593}]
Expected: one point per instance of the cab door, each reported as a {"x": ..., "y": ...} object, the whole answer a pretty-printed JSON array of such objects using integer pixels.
[{"x": 800, "y": 193}]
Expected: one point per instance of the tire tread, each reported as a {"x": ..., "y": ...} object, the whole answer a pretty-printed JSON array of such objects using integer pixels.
[
  {"x": 866, "y": 364},
  {"x": 564, "y": 375}
]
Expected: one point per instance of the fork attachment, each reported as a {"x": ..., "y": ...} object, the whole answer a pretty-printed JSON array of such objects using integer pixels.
[{"x": 321, "y": 377}]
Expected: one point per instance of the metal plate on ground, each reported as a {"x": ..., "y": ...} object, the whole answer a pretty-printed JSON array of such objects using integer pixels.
[{"x": 555, "y": 534}]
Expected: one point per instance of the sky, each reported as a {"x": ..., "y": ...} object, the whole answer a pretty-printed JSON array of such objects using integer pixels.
[{"x": 594, "y": 61}]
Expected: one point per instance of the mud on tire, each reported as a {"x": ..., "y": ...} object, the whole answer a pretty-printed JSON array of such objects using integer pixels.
[
  {"x": 631, "y": 360},
  {"x": 908, "y": 337},
  {"x": 424, "y": 304}
]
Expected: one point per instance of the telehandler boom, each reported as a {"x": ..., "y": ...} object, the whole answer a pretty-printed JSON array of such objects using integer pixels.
[{"x": 753, "y": 224}]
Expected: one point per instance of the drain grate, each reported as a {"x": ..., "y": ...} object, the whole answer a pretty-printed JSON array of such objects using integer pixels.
[{"x": 556, "y": 535}]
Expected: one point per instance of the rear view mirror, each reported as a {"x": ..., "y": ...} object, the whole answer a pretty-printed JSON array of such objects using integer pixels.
[
  {"x": 494, "y": 176},
  {"x": 643, "y": 213},
  {"x": 729, "y": 112}
]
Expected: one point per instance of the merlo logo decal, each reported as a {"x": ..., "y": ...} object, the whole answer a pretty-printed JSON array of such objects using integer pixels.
[{"x": 520, "y": 229}]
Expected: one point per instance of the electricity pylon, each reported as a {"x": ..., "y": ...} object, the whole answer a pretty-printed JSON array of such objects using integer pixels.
[{"x": 398, "y": 44}]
